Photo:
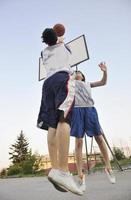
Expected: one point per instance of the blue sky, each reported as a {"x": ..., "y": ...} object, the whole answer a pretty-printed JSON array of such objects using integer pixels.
[{"x": 106, "y": 25}]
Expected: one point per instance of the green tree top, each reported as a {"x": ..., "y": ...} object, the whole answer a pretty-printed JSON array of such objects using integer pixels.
[{"x": 19, "y": 150}]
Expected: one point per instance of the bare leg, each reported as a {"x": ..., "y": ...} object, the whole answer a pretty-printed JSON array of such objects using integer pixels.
[
  {"x": 78, "y": 154},
  {"x": 101, "y": 143},
  {"x": 52, "y": 147},
  {"x": 63, "y": 137},
  {"x": 60, "y": 177}
]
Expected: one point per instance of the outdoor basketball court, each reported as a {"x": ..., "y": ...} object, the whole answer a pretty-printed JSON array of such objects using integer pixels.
[{"x": 39, "y": 188}]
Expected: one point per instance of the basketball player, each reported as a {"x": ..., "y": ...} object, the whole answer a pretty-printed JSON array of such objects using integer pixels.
[
  {"x": 54, "y": 112},
  {"x": 85, "y": 120}
]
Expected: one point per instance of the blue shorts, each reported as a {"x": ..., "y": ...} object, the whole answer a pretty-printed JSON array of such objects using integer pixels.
[
  {"x": 56, "y": 100},
  {"x": 85, "y": 120}
]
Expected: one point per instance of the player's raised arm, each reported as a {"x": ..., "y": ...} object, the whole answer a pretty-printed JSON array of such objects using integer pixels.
[{"x": 103, "y": 81}]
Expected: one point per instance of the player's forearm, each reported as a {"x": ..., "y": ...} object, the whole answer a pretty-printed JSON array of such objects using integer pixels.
[
  {"x": 102, "y": 82},
  {"x": 104, "y": 79}
]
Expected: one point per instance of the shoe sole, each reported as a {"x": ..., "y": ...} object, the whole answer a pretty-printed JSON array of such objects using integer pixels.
[
  {"x": 57, "y": 187},
  {"x": 63, "y": 187}
]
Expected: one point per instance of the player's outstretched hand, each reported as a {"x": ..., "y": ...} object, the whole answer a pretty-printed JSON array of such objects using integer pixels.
[
  {"x": 102, "y": 66},
  {"x": 60, "y": 40}
]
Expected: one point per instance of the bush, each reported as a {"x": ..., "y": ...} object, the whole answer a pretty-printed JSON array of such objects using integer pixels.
[
  {"x": 119, "y": 154},
  {"x": 41, "y": 172},
  {"x": 27, "y": 167},
  {"x": 3, "y": 173},
  {"x": 14, "y": 170}
]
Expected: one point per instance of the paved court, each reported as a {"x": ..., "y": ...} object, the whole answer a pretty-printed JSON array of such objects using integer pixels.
[{"x": 98, "y": 188}]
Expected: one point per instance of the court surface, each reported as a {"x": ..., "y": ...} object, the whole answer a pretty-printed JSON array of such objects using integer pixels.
[{"x": 39, "y": 188}]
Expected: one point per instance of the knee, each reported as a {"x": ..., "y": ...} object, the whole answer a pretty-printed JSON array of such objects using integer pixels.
[
  {"x": 99, "y": 139},
  {"x": 52, "y": 142}
]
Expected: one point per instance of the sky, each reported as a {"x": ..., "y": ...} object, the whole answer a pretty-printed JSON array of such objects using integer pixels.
[{"x": 106, "y": 26}]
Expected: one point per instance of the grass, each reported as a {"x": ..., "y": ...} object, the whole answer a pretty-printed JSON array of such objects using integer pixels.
[
  {"x": 98, "y": 167},
  {"x": 22, "y": 175},
  {"x": 123, "y": 163}
]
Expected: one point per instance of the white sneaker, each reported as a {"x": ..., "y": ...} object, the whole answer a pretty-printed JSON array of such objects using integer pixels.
[
  {"x": 57, "y": 187},
  {"x": 110, "y": 176},
  {"x": 65, "y": 180},
  {"x": 81, "y": 183}
]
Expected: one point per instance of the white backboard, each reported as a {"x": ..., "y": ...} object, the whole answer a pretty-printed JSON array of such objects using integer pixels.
[{"x": 79, "y": 53}]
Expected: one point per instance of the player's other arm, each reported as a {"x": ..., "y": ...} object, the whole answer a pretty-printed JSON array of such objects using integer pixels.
[{"x": 103, "y": 81}]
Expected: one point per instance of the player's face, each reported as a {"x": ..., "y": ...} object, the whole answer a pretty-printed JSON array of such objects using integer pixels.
[{"x": 79, "y": 76}]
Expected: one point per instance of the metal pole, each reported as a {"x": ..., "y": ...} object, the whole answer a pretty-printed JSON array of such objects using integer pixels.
[
  {"x": 91, "y": 145},
  {"x": 115, "y": 159},
  {"x": 76, "y": 68}
]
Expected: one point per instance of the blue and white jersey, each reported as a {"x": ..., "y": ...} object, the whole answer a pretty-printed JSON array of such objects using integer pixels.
[{"x": 83, "y": 96}]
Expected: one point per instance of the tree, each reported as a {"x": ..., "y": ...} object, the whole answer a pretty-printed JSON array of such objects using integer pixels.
[
  {"x": 19, "y": 150},
  {"x": 30, "y": 164},
  {"x": 23, "y": 161},
  {"x": 119, "y": 154}
]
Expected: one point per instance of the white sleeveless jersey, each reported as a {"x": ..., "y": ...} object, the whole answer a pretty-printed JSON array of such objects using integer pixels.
[
  {"x": 83, "y": 96},
  {"x": 56, "y": 58}
]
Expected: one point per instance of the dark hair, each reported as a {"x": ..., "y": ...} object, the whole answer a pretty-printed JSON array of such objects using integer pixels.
[
  {"x": 83, "y": 77},
  {"x": 49, "y": 36}
]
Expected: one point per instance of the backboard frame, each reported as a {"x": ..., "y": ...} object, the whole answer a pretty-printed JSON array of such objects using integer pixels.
[{"x": 85, "y": 44}]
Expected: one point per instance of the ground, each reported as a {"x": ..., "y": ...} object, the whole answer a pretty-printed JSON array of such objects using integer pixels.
[{"x": 39, "y": 188}]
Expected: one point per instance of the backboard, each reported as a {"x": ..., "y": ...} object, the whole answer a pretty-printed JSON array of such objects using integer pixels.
[{"x": 79, "y": 53}]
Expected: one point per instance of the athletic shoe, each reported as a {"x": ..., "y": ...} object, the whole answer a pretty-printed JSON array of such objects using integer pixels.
[
  {"x": 81, "y": 183},
  {"x": 64, "y": 180},
  {"x": 57, "y": 187},
  {"x": 110, "y": 176}
]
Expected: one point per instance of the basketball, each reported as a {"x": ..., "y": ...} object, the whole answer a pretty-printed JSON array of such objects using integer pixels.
[{"x": 59, "y": 29}]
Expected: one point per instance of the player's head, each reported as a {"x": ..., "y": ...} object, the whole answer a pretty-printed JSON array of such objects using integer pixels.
[
  {"x": 80, "y": 76},
  {"x": 49, "y": 36}
]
